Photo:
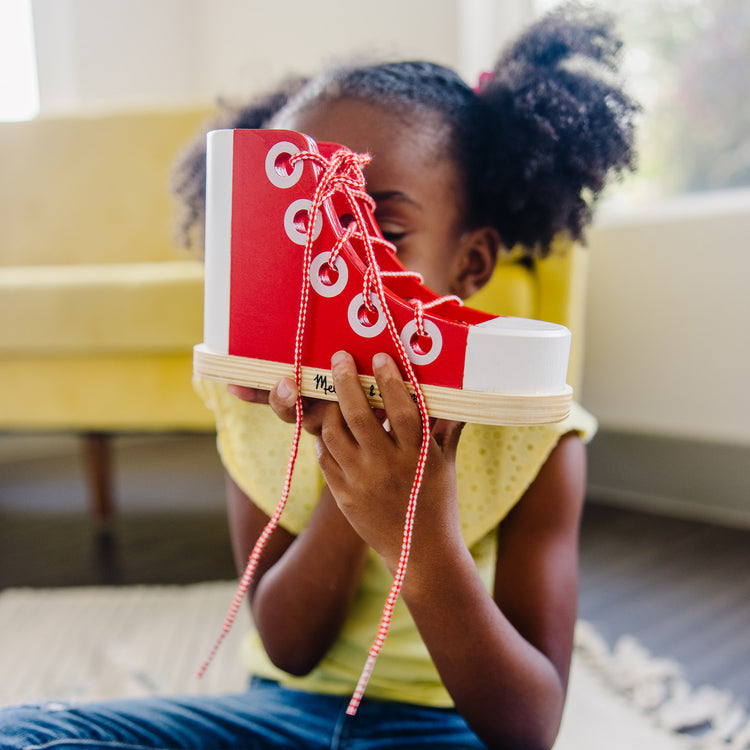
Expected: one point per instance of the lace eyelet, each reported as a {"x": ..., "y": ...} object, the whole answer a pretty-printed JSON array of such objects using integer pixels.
[
  {"x": 359, "y": 322},
  {"x": 298, "y": 234},
  {"x": 328, "y": 286},
  {"x": 277, "y": 175},
  {"x": 411, "y": 340}
]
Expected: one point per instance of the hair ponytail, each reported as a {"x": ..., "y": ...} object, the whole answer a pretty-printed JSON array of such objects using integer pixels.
[{"x": 560, "y": 124}]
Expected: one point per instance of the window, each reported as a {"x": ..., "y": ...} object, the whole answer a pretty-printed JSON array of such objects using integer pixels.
[
  {"x": 19, "y": 91},
  {"x": 688, "y": 63}
]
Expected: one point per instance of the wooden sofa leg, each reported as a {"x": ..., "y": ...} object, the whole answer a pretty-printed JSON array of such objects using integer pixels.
[{"x": 97, "y": 457}]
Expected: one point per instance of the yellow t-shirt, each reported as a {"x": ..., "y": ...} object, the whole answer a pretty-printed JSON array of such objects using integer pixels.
[{"x": 495, "y": 466}]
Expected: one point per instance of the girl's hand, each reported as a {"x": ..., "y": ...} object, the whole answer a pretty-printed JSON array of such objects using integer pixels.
[
  {"x": 283, "y": 400},
  {"x": 370, "y": 468}
]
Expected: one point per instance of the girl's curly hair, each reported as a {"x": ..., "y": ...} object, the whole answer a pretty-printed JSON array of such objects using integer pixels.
[
  {"x": 534, "y": 143},
  {"x": 561, "y": 123},
  {"x": 188, "y": 179}
]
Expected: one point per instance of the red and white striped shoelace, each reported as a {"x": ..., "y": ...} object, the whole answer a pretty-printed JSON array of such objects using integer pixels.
[{"x": 343, "y": 174}]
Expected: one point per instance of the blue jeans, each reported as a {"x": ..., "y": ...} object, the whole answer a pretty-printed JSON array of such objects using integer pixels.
[{"x": 266, "y": 716}]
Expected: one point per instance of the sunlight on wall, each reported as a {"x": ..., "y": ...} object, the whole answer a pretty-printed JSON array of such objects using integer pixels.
[
  {"x": 687, "y": 62},
  {"x": 19, "y": 90}
]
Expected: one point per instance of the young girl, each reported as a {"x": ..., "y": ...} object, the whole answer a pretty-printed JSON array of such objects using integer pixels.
[{"x": 480, "y": 641}]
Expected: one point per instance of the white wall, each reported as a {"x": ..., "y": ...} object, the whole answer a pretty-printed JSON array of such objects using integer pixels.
[
  {"x": 668, "y": 320},
  {"x": 94, "y": 55},
  {"x": 119, "y": 54}
]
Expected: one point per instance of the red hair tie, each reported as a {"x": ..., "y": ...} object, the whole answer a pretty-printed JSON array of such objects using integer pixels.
[{"x": 484, "y": 78}]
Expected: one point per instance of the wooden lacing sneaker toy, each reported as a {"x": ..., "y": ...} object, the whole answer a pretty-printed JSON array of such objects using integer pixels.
[
  {"x": 260, "y": 188},
  {"x": 297, "y": 269}
]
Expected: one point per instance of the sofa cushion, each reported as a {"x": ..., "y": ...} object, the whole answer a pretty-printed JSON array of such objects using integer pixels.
[
  {"x": 106, "y": 393},
  {"x": 92, "y": 189},
  {"x": 104, "y": 309}
]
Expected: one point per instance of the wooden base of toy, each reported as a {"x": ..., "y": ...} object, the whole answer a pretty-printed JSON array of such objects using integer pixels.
[{"x": 478, "y": 407}]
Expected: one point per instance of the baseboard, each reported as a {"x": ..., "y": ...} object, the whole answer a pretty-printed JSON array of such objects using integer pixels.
[
  {"x": 667, "y": 506},
  {"x": 701, "y": 480}
]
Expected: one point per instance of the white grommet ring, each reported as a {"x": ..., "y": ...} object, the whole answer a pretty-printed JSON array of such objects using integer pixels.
[
  {"x": 360, "y": 328},
  {"x": 320, "y": 286},
  {"x": 295, "y": 234},
  {"x": 279, "y": 179},
  {"x": 433, "y": 332}
]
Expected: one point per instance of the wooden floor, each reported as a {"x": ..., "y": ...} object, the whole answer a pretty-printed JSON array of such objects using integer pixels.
[{"x": 680, "y": 587}]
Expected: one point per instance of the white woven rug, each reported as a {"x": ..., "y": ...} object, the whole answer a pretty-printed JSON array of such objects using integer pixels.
[{"x": 93, "y": 643}]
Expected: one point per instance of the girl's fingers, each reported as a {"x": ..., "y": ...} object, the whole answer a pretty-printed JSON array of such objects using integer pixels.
[
  {"x": 251, "y": 395},
  {"x": 403, "y": 413},
  {"x": 446, "y": 434},
  {"x": 336, "y": 440},
  {"x": 283, "y": 400},
  {"x": 355, "y": 409}
]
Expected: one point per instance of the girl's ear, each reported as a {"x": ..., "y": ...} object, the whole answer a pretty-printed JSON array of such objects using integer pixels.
[{"x": 475, "y": 262}]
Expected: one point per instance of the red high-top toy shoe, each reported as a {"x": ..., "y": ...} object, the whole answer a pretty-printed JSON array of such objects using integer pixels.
[
  {"x": 297, "y": 269},
  {"x": 284, "y": 288}
]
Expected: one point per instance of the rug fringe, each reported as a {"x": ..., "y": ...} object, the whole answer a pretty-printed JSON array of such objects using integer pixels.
[{"x": 706, "y": 717}]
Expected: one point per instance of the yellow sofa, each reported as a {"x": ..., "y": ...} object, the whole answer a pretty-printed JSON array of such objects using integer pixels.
[{"x": 100, "y": 311}]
